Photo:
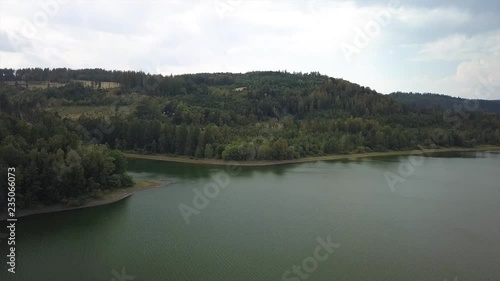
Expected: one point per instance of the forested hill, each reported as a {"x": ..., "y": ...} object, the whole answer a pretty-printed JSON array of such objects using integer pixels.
[
  {"x": 64, "y": 129},
  {"x": 225, "y": 115},
  {"x": 427, "y": 101},
  {"x": 52, "y": 160}
]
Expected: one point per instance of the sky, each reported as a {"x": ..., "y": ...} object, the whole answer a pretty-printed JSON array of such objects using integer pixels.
[{"x": 446, "y": 47}]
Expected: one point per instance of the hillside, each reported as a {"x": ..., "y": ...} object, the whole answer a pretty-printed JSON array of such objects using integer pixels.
[
  {"x": 428, "y": 101},
  {"x": 57, "y": 135},
  {"x": 255, "y": 115}
]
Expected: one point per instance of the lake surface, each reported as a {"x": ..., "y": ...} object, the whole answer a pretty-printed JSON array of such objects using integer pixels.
[{"x": 442, "y": 222}]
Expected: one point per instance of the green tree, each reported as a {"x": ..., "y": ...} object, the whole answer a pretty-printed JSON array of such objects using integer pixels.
[{"x": 208, "y": 151}]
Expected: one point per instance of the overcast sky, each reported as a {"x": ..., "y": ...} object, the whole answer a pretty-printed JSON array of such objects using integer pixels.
[{"x": 448, "y": 47}]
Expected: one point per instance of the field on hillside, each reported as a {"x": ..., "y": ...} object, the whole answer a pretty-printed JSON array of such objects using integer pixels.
[
  {"x": 32, "y": 85},
  {"x": 45, "y": 84},
  {"x": 104, "y": 85}
]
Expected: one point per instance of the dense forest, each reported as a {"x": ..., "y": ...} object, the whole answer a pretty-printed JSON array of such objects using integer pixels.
[
  {"x": 427, "y": 101},
  {"x": 54, "y": 158},
  {"x": 64, "y": 149}
]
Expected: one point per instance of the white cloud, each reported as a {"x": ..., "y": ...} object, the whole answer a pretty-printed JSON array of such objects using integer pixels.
[
  {"x": 474, "y": 79},
  {"x": 479, "y": 78},
  {"x": 178, "y": 36},
  {"x": 460, "y": 47},
  {"x": 436, "y": 17},
  {"x": 477, "y": 58}
]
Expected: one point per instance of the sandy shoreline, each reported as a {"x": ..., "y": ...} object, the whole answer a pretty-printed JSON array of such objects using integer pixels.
[
  {"x": 110, "y": 198},
  {"x": 307, "y": 159}
]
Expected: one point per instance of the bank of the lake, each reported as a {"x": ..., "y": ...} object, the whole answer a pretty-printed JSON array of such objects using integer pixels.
[
  {"x": 108, "y": 197},
  {"x": 257, "y": 163}
]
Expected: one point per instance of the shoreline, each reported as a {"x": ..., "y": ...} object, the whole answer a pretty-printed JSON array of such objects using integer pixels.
[
  {"x": 261, "y": 163},
  {"x": 121, "y": 194},
  {"x": 109, "y": 198}
]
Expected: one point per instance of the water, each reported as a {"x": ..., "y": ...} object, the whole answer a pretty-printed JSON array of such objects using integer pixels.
[{"x": 442, "y": 222}]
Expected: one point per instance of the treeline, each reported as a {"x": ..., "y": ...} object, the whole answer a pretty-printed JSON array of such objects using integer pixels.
[
  {"x": 53, "y": 158},
  {"x": 282, "y": 139},
  {"x": 428, "y": 101},
  {"x": 152, "y": 84}
]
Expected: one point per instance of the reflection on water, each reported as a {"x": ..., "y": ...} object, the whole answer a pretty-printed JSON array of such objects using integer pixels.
[
  {"x": 458, "y": 154},
  {"x": 153, "y": 169}
]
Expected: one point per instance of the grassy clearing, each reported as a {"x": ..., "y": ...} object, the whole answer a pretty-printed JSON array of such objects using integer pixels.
[
  {"x": 32, "y": 85},
  {"x": 104, "y": 85}
]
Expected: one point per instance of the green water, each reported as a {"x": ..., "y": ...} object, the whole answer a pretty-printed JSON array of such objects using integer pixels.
[{"x": 442, "y": 222}]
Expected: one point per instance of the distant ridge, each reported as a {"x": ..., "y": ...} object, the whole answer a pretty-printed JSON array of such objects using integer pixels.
[{"x": 429, "y": 101}]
